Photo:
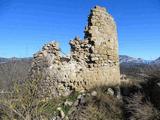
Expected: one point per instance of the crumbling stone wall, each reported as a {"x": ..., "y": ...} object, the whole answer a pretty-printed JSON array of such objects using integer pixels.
[{"x": 93, "y": 60}]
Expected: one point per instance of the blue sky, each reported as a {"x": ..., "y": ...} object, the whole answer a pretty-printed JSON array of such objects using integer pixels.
[{"x": 25, "y": 25}]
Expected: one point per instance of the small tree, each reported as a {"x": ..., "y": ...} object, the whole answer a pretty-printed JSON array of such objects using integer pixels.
[{"x": 23, "y": 103}]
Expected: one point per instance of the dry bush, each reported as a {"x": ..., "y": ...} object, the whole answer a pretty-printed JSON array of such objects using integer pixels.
[
  {"x": 23, "y": 103},
  {"x": 141, "y": 100},
  {"x": 100, "y": 107},
  {"x": 137, "y": 107},
  {"x": 13, "y": 71},
  {"x": 152, "y": 88}
]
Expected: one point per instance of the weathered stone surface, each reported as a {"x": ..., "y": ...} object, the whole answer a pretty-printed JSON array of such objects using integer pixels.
[
  {"x": 93, "y": 60},
  {"x": 68, "y": 103},
  {"x": 110, "y": 91},
  {"x": 94, "y": 93},
  {"x": 61, "y": 113}
]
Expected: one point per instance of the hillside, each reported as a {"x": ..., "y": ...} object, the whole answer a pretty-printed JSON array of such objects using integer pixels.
[
  {"x": 157, "y": 61},
  {"x": 93, "y": 83},
  {"x": 128, "y": 65},
  {"x": 12, "y": 70},
  {"x": 128, "y": 59},
  {"x": 5, "y": 60}
]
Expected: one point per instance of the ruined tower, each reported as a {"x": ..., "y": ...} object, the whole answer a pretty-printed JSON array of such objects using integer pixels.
[{"x": 93, "y": 61}]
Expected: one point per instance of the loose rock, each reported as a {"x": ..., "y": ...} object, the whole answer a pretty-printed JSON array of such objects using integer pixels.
[{"x": 94, "y": 93}]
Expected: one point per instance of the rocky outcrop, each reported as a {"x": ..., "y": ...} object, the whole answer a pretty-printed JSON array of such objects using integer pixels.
[{"x": 93, "y": 61}]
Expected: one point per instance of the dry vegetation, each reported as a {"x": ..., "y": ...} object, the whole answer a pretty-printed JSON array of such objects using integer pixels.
[
  {"x": 12, "y": 71},
  {"x": 137, "y": 107},
  {"x": 22, "y": 103},
  {"x": 99, "y": 107},
  {"x": 140, "y": 99}
]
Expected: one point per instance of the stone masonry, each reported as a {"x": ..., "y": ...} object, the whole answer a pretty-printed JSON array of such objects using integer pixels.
[{"x": 93, "y": 61}]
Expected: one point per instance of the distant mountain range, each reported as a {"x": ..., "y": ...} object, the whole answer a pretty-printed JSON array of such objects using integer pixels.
[
  {"x": 5, "y": 60},
  {"x": 128, "y": 59},
  {"x": 157, "y": 60},
  {"x": 122, "y": 59}
]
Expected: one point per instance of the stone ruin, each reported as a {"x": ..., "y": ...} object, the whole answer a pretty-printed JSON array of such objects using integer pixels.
[{"x": 93, "y": 61}]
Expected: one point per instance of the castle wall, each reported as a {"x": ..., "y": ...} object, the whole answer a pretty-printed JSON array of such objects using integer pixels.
[{"x": 93, "y": 61}]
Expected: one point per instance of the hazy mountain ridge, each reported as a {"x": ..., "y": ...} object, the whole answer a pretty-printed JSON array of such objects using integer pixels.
[
  {"x": 122, "y": 59},
  {"x": 5, "y": 60},
  {"x": 157, "y": 60},
  {"x": 128, "y": 59}
]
